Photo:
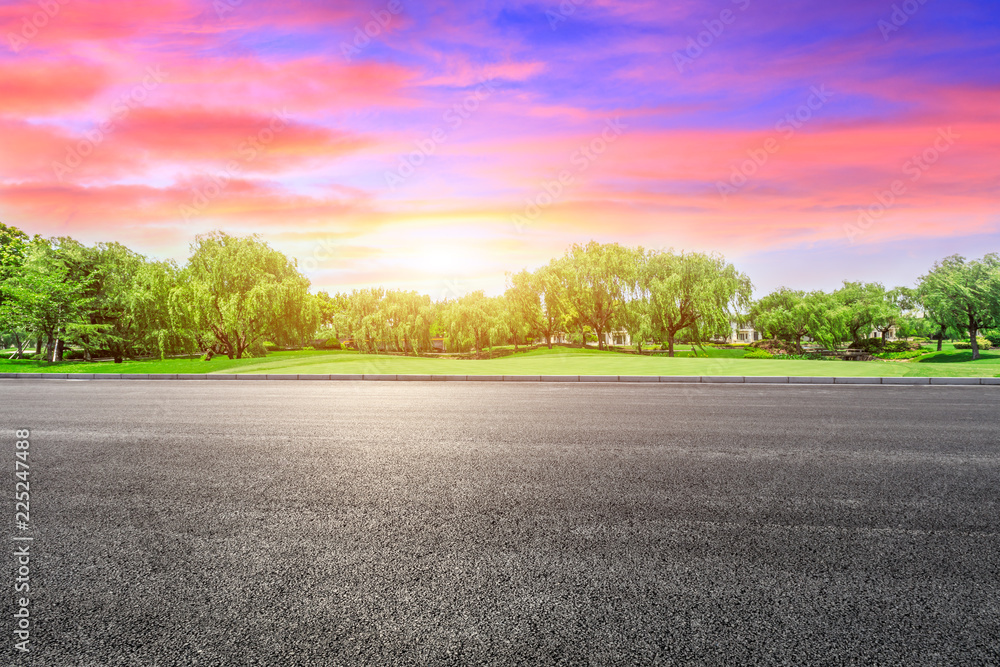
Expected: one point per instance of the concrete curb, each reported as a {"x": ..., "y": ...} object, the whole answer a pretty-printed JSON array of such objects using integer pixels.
[{"x": 645, "y": 379}]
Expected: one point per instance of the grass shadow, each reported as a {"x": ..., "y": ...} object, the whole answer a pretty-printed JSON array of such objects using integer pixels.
[{"x": 958, "y": 356}]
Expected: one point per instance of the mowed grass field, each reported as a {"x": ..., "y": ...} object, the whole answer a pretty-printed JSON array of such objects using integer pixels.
[{"x": 558, "y": 361}]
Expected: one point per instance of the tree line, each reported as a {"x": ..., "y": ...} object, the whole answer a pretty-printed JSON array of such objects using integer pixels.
[
  {"x": 235, "y": 293},
  {"x": 107, "y": 300},
  {"x": 956, "y": 298}
]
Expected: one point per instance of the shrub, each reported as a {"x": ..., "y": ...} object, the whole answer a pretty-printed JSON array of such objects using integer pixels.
[
  {"x": 268, "y": 346},
  {"x": 69, "y": 355},
  {"x": 868, "y": 345},
  {"x": 330, "y": 344},
  {"x": 992, "y": 335},
  {"x": 809, "y": 356},
  {"x": 757, "y": 353},
  {"x": 984, "y": 344},
  {"x": 901, "y": 346},
  {"x": 257, "y": 350},
  {"x": 308, "y": 348},
  {"x": 912, "y": 354},
  {"x": 772, "y": 345}
]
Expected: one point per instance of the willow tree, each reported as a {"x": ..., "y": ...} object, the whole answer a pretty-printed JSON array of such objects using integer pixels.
[
  {"x": 474, "y": 320},
  {"x": 827, "y": 318},
  {"x": 408, "y": 317},
  {"x": 867, "y": 308},
  {"x": 523, "y": 307},
  {"x": 782, "y": 314},
  {"x": 693, "y": 292},
  {"x": 597, "y": 279},
  {"x": 555, "y": 310},
  {"x": 234, "y": 290},
  {"x": 964, "y": 294}
]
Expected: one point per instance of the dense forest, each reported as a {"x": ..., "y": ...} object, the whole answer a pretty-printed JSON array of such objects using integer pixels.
[{"x": 238, "y": 296}]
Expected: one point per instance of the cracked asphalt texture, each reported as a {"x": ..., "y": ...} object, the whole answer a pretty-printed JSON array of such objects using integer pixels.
[{"x": 321, "y": 523}]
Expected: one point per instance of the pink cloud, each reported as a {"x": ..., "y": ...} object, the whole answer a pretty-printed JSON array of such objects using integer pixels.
[{"x": 48, "y": 86}]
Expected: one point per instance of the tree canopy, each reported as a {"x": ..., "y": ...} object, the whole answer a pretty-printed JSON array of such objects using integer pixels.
[
  {"x": 964, "y": 294},
  {"x": 236, "y": 290}
]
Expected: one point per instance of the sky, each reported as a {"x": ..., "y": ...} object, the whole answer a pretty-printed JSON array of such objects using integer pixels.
[{"x": 436, "y": 145}]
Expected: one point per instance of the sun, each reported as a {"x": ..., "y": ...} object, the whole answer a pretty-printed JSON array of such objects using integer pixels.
[{"x": 441, "y": 260}]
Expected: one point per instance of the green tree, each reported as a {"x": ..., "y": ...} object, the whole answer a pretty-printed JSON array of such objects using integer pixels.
[
  {"x": 523, "y": 306},
  {"x": 693, "y": 292},
  {"x": 548, "y": 283},
  {"x": 826, "y": 318},
  {"x": 43, "y": 297},
  {"x": 782, "y": 314},
  {"x": 408, "y": 317},
  {"x": 866, "y": 309},
  {"x": 964, "y": 294},
  {"x": 597, "y": 277},
  {"x": 470, "y": 321},
  {"x": 364, "y": 320},
  {"x": 897, "y": 312},
  {"x": 13, "y": 246},
  {"x": 129, "y": 297},
  {"x": 234, "y": 290}
]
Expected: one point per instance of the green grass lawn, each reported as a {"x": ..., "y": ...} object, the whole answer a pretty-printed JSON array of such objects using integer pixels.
[{"x": 558, "y": 361}]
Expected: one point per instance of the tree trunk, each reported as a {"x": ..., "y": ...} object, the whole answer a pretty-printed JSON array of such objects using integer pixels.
[
  {"x": 50, "y": 347},
  {"x": 885, "y": 332},
  {"x": 670, "y": 345},
  {"x": 973, "y": 334},
  {"x": 940, "y": 338},
  {"x": 38, "y": 344},
  {"x": 20, "y": 346},
  {"x": 798, "y": 345},
  {"x": 58, "y": 354}
]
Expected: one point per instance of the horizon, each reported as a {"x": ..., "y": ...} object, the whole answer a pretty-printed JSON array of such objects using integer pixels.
[{"x": 435, "y": 147}]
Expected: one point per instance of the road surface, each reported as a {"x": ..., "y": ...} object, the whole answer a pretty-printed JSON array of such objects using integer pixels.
[{"x": 313, "y": 523}]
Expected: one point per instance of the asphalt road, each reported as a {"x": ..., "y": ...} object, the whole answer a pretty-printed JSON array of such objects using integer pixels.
[{"x": 311, "y": 523}]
